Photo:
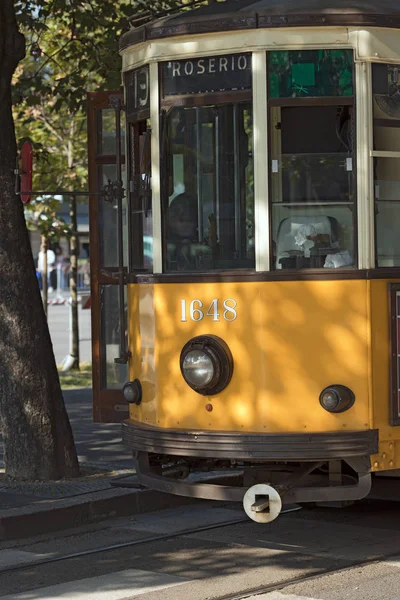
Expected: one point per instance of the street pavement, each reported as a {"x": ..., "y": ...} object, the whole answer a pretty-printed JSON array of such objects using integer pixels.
[
  {"x": 179, "y": 554},
  {"x": 95, "y": 443}
]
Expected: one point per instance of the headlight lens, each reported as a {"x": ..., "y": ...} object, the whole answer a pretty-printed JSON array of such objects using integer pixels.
[
  {"x": 206, "y": 364},
  {"x": 198, "y": 368},
  {"x": 337, "y": 398},
  {"x": 133, "y": 392}
]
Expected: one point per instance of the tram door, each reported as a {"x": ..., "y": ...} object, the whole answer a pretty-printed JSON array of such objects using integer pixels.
[
  {"x": 121, "y": 231},
  {"x": 108, "y": 219}
]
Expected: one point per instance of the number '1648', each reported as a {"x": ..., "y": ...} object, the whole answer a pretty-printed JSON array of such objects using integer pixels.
[{"x": 218, "y": 309}]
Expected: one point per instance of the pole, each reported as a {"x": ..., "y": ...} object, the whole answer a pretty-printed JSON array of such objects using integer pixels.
[
  {"x": 45, "y": 275},
  {"x": 73, "y": 287}
]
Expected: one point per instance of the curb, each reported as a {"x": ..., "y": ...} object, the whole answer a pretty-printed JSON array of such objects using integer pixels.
[{"x": 48, "y": 516}]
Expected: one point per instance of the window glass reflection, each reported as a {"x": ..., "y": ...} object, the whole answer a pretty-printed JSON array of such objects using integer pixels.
[
  {"x": 312, "y": 186},
  {"x": 209, "y": 212},
  {"x": 141, "y": 197},
  {"x": 386, "y": 107},
  {"x": 114, "y": 375},
  {"x": 106, "y": 133},
  {"x": 310, "y": 73},
  {"x": 108, "y": 219}
]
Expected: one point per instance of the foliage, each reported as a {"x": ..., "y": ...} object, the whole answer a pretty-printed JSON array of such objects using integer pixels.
[
  {"x": 43, "y": 217},
  {"x": 76, "y": 43},
  {"x": 72, "y": 48}
]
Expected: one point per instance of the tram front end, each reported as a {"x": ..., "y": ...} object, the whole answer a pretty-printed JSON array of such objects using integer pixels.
[
  {"x": 247, "y": 286},
  {"x": 251, "y": 380}
]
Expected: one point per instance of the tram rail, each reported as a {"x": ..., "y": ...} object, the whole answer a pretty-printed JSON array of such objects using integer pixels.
[
  {"x": 277, "y": 587},
  {"x": 148, "y": 540},
  {"x": 242, "y": 595}
]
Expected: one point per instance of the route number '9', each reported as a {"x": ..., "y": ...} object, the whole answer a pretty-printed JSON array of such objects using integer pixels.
[{"x": 197, "y": 311}]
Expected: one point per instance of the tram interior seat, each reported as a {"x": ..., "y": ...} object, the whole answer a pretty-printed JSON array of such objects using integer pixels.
[{"x": 309, "y": 242}]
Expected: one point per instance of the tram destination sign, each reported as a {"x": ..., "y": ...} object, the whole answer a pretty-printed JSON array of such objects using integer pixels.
[{"x": 203, "y": 75}]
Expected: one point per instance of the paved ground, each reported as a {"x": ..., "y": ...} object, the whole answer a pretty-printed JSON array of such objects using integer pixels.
[
  {"x": 94, "y": 443},
  {"x": 216, "y": 563},
  {"x": 58, "y": 319}
]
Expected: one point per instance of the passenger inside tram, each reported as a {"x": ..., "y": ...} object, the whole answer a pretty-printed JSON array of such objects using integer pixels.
[
  {"x": 209, "y": 212},
  {"x": 185, "y": 251},
  {"x": 312, "y": 186}
]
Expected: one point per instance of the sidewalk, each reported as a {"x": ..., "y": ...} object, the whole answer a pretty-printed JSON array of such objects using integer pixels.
[{"x": 34, "y": 508}]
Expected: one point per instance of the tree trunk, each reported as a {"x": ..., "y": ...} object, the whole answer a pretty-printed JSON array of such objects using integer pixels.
[
  {"x": 73, "y": 284},
  {"x": 38, "y": 442}
]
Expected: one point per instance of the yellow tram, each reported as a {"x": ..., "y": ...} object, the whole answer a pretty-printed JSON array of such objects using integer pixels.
[{"x": 246, "y": 288}]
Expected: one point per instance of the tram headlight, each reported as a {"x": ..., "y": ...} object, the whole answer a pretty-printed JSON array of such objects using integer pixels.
[
  {"x": 337, "y": 398},
  {"x": 206, "y": 364},
  {"x": 198, "y": 368},
  {"x": 133, "y": 392}
]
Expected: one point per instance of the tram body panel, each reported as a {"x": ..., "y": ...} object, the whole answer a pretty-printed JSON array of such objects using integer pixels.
[
  {"x": 141, "y": 319},
  {"x": 289, "y": 341},
  {"x": 389, "y": 437}
]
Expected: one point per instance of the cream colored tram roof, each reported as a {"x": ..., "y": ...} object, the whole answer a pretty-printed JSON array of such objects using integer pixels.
[{"x": 236, "y": 15}]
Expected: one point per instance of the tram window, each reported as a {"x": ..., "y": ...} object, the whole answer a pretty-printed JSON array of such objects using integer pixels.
[
  {"x": 308, "y": 73},
  {"x": 386, "y": 107},
  {"x": 209, "y": 201},
  {"x": 106, "y": 135},
  {"x": 141, "y": 196},
  {"x": 114, "y": 375},
  {"x": 108, "y": 219},
  {"x": 312, "y": 186}
]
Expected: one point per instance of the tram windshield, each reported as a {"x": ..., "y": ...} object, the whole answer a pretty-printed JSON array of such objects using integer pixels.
[
  {"x": 312, "y": 136},
  {"x": 209, "y": 217},
  {"x": 208, "y": 178},
  {"x": 207, "y": 159}
]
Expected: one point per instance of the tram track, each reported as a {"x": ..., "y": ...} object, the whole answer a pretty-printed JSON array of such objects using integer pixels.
[
  {"x": 278, "y": 587},
  {"x": 147, "y": 540}
]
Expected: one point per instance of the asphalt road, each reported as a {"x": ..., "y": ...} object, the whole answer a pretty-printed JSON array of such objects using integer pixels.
[{"x": 323, "y": 550}]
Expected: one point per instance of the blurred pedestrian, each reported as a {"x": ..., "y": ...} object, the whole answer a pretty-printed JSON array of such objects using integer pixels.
[
  {"x": 51, "y": 259},
  {"x": 38, "y": 276}
]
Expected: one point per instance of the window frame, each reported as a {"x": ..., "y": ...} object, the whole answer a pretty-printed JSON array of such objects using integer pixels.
[
  {"x": 314, "y": 101},
  {"x": 382, "y": 154},
  {"x": 108, "y": 404},
  {"x": 135, "y": 119},
  {"x": 167, "y": 104}
]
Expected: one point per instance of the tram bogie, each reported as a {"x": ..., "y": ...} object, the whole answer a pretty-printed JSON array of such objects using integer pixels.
[{"x": 246, "y": 291}]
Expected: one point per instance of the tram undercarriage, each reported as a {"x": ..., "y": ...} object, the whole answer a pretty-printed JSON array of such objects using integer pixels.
[{"x": 318, "y": 468}]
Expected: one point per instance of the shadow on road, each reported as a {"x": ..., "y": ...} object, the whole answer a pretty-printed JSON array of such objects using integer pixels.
[{"x": 94, "y": 442}]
